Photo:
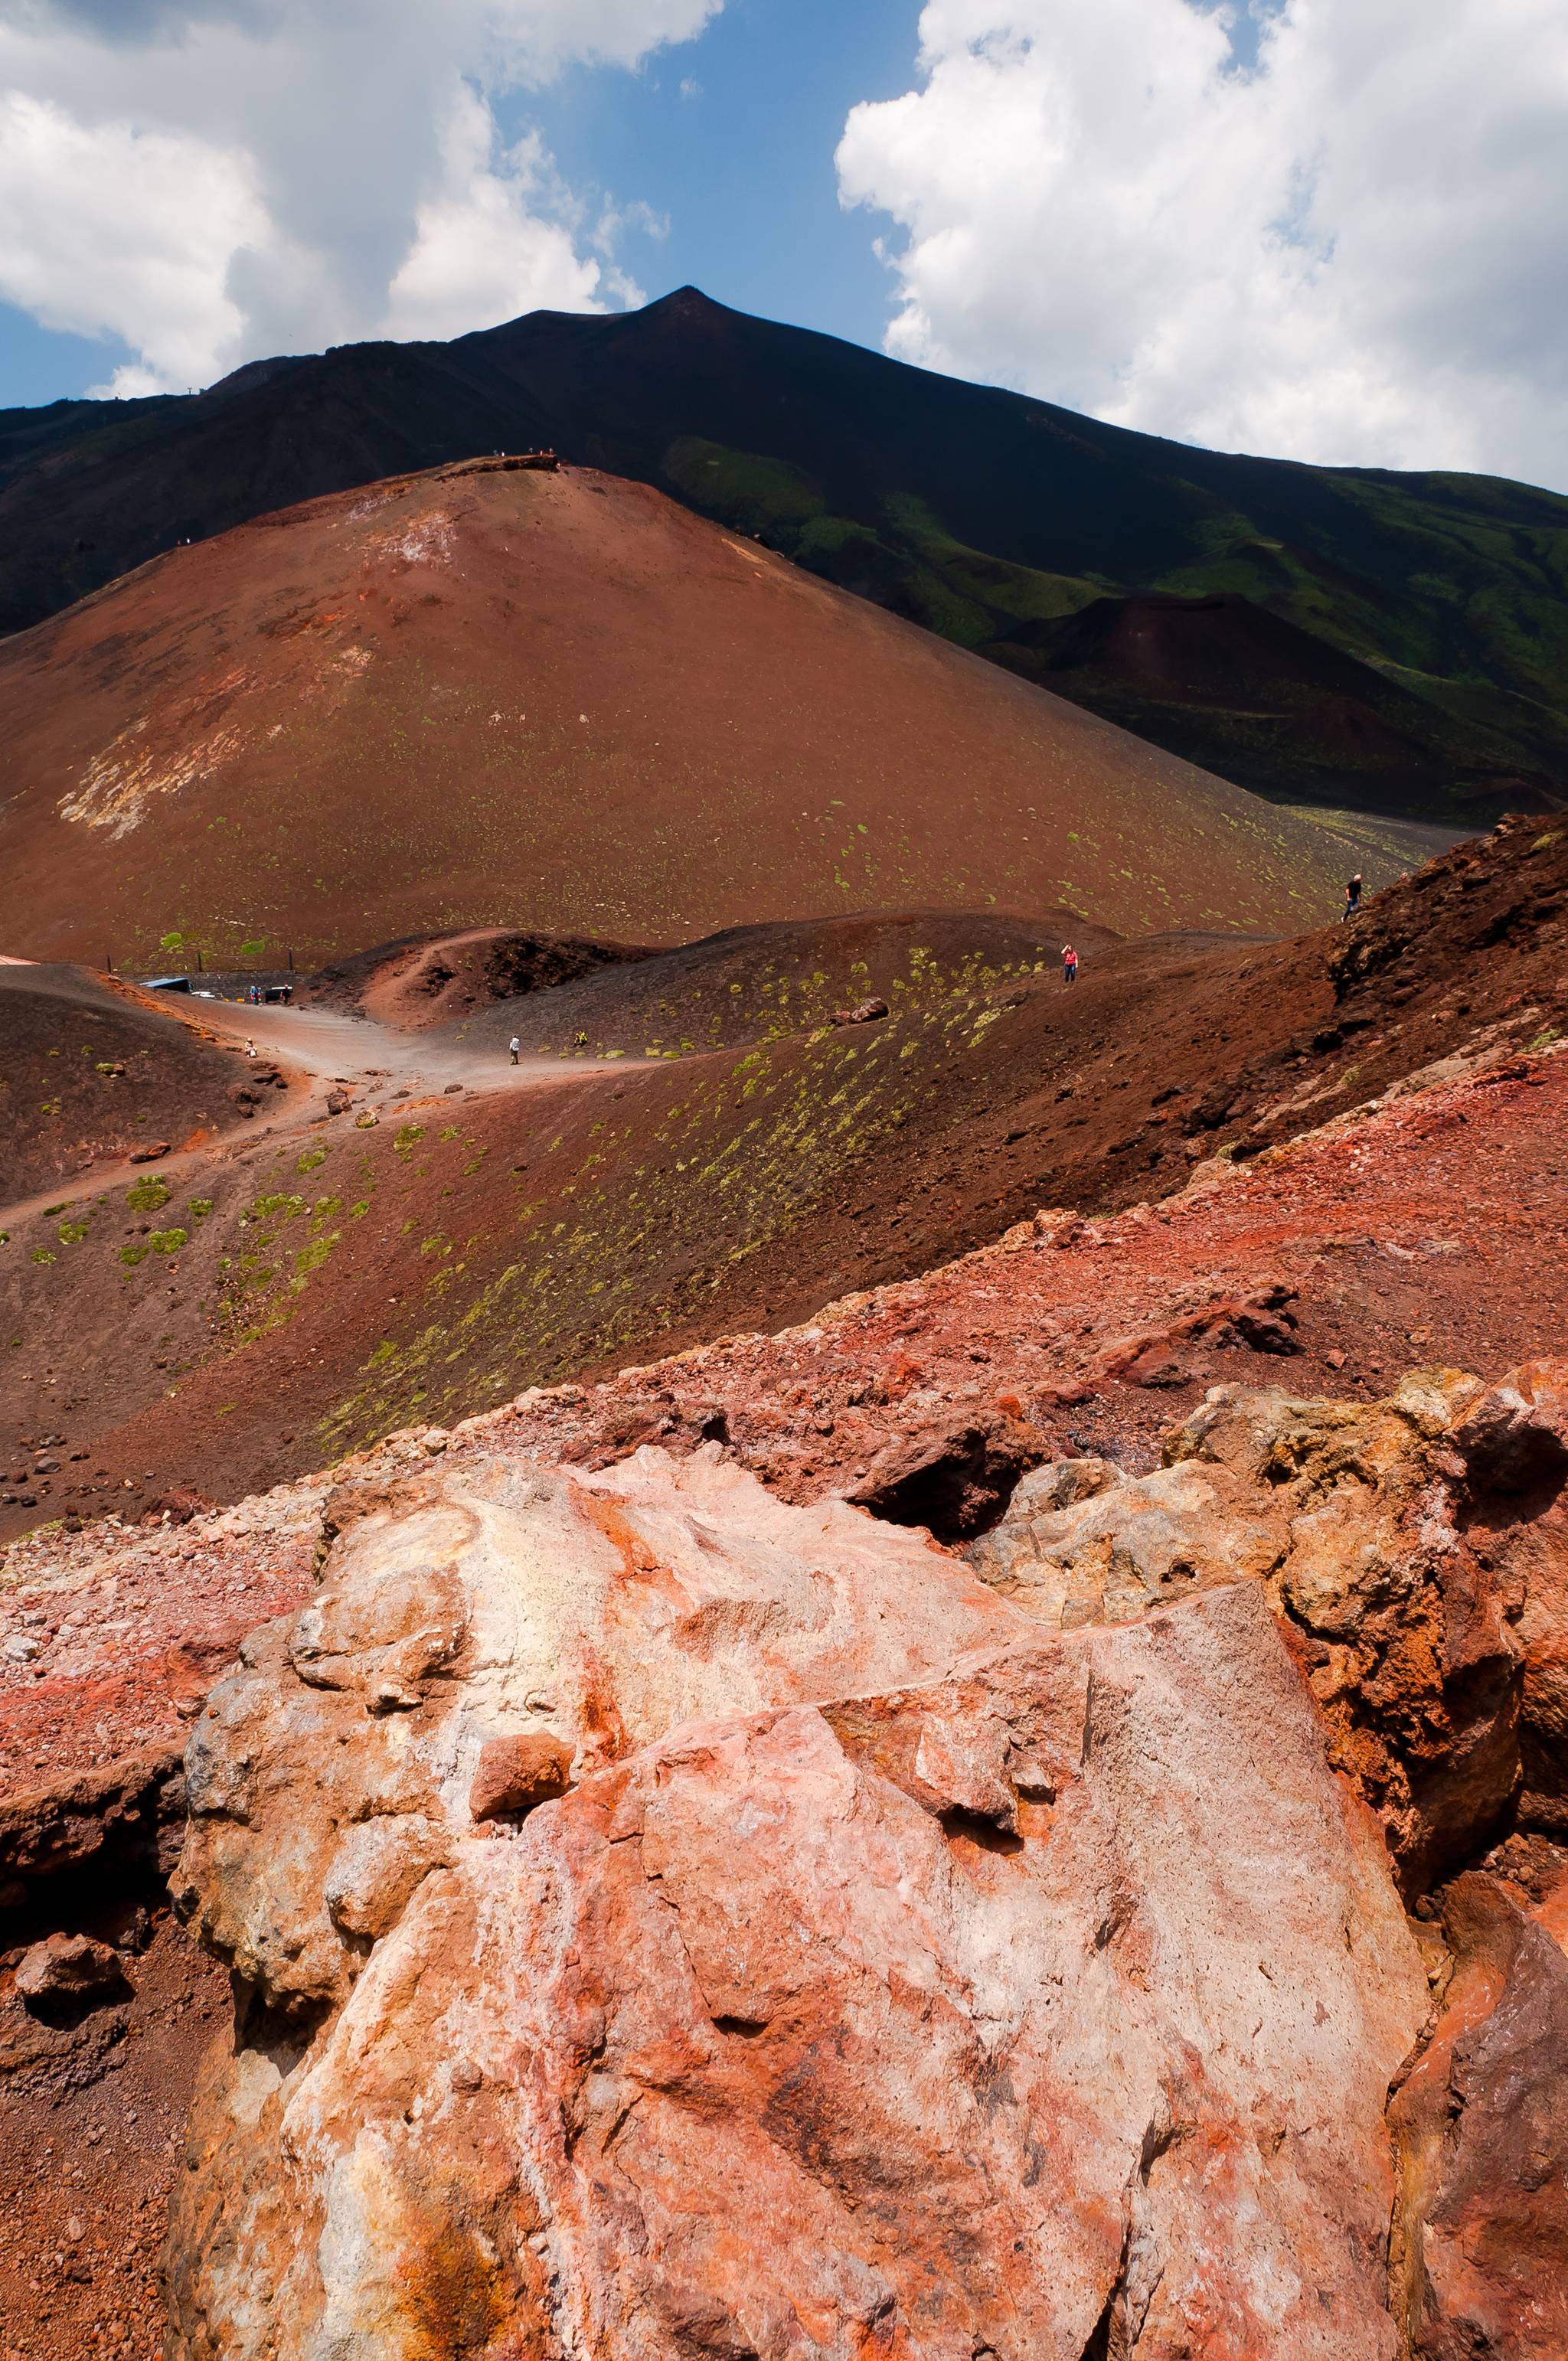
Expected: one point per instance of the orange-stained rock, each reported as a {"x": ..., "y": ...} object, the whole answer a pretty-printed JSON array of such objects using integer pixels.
[
  {"x": 1044, "y": 2007},
  {"x": 1515, "y": 1441},
  {"x": 1481, "y": 2230},
  {"x": 504, "y": 1606},
  {"x": 65, "y": 1967},
  {"x": 1415, "y": 1549},
  {"x": 515, "y": 1774}
]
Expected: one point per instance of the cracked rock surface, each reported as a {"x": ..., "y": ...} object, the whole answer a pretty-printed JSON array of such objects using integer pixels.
[
  {"x": 893, "y": 1976},
  {"x": 1415, "y": 1549}
]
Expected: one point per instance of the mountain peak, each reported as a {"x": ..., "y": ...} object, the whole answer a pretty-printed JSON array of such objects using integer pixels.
[{"x": 688, "y": 304}]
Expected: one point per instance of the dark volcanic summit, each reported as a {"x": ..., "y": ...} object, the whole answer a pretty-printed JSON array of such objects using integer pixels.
[{"x": 984, "y": 514}]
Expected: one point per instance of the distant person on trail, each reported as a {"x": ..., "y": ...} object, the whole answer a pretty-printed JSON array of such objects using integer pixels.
[
  {"x": 1069, "y": 964},
  {"x": 515, "y": 1046},
  {"x": 1353, "y": 897},
  {"x": 250, "y": 1048}
]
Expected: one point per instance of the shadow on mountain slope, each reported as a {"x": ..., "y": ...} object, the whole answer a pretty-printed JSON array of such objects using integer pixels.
[{"x": 968, "y": 509}]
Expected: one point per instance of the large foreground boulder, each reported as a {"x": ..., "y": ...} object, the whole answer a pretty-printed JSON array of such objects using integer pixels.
[
  {"x": 482, "y": 1637},
  {"x": 859, "y": 1970},
  {"x": 1414, "y": 1550}
]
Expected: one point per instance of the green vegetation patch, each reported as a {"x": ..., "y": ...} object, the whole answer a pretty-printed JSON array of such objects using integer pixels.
[
  {"x": 634, "y": 1234},
  {"x": 741, "y": 487}
]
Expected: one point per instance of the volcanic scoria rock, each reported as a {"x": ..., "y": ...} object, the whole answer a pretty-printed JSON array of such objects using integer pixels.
[
  {"x": 893, "y": 1978},
  {"x": 66, "y": 1967},
  {"x": 952, "y": 1473},
  {"x": 1415, "y": 1549}
]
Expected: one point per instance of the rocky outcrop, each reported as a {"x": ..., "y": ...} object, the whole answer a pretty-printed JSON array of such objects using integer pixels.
[
  {"x": 953, "y": 1473},
  {"x": 1416, "y": 1551},
  {"x": 1481, "y": 2229},
  {"x": 1044, "y": 2005},
  {"x": 891, "y": 1976},
  {"x": 487, "y": 1634},
  {"x": 121, "y": 1814}
]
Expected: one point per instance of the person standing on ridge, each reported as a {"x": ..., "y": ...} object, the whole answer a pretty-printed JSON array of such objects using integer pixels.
[
  {"x": 514, "y": 1048},
  {"x": 1353, "y": 897},
  {"x": 1069, "y": 964}
]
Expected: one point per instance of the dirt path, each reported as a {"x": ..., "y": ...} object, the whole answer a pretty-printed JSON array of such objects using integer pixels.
[
  {"x": 320, "y": 1052},
  {"x": 358, "y": 1051}
]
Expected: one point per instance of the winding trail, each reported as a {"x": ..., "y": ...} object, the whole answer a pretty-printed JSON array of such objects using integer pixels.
[
  {"x": 359, "y": 1052},
  {"x": 320, "y": 1051}
]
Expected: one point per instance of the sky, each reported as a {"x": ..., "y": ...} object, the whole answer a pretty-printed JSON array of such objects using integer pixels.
[{"x": 1330, "y": 230}]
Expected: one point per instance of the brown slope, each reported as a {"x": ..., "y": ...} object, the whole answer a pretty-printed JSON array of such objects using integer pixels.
[
  {"x": 342, "y": 1281},
  {"x": 1242, "y": 690},
  {"x": 751, "y": 983},
  {"x": 441, "y": 978},
  {"x": 486, "y": 696},
  {"x": 93, "y": 1071}
]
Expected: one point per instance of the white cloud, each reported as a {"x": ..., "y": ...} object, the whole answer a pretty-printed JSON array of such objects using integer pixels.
[
  {"x": 1350, "y": 250},
  {"x": 217, "y": 179},
  {"x": 105, "y": 229},
  {"x": 477, "y": 237}
]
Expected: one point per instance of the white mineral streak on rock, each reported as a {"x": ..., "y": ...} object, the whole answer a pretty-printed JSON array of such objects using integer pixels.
[{"x": 1044, "y": 1998}]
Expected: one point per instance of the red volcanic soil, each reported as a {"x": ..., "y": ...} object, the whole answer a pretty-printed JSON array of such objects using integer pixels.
[
  {"x": 93, "y": 1071},
  {"x": 1315, "y": 1163},
  {"x": 292, "y": 1296},
  {"x": 441, "y": 979},
  {"x": 1432, "y": 1232},
  {"x": 91, "y": 2127},
  {"x": 489, "y": 695},
  {"x": 1429, "y": 1226}
]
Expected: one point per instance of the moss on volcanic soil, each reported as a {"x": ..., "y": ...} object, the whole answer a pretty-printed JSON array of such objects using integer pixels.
[{"x": 625, "y": 1228}]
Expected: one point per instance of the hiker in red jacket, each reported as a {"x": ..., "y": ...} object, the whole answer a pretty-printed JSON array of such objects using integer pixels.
[{"x": 1069, "y": 964}]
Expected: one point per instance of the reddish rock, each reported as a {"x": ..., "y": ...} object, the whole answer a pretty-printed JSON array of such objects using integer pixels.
[
  {"x": 1481, "y": 2230},
  {"x": 117, "y": 1812},
  {"x": 1047, "y": 2008},
  {"x": 572, "y": 1616},
  {"x": 1515, "y": 1446},
  {"x": 1160, "y": 1357},
  {"x": 1416, "y": 1551},
  {"x": 953, "y": 1476},
  {"x": 1514, "y": 1440},
  {"x": 515, "y": 1774},
  {"x": 177, "y": 1506},
  {"x": 64, "y": 1968}
]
